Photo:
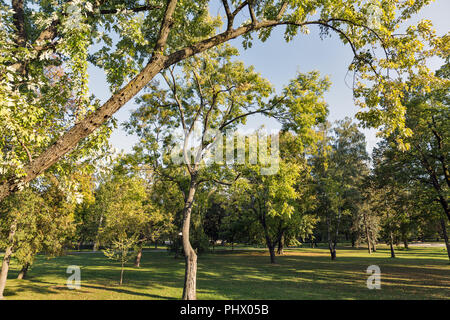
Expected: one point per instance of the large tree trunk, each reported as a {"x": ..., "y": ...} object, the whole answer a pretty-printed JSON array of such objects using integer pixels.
[
  {"x": 190, "y": 275},
  {"x": 271, "y": 247},
  {"x": 7, "y": 259},
  {"x": 23, "y": 272},
  {"x": 444, "y": 233}
]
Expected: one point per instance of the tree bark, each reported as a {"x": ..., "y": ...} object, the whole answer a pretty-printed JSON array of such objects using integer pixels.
[
  {"x": 190, "y": 275},
  {"x": 23, "y": 272},
  {"x": 281, "y": 245},
  {"x": 271, "y": 247},
  {"x": 97, "y": 237},
  {"x": 137, "y": 260},
  {"x": 332, "y": 248},
  {"x": 369, "y": 242},
  {"x": 121, "y": 274},
  {"x": 7, "y": 258},
  {"x": 391, "y": 244},
  {"x": 445, "y": 235}
]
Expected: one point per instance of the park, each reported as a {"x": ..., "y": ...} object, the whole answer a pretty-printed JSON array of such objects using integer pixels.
[{"x": 224, "y": 150}]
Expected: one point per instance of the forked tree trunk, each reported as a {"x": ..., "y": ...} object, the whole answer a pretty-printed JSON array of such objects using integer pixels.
[
  {"x": 7, "y": 259},
  {"x": 444, "y": 233},
  {"x": 23, "y": 272},
  {"x": 190, "y": 275},
  {"x": 280, "y": 246}
]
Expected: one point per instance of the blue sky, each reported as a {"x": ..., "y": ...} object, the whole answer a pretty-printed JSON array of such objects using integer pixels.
[{"x": 279, "y": 61}]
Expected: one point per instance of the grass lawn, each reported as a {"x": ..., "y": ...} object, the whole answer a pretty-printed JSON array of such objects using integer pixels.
[{"x": 305, "y": 273}]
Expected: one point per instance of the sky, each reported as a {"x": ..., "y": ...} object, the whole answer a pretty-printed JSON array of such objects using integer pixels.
[{"x": 279, "y": 62}]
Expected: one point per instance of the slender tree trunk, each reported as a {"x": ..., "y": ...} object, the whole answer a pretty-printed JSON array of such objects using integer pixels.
[
  {"x": 391, "y": 244},
  {"x": 23, "y": 272},
  {"x": 97, "y": 237},
  {"x": 369, "y": 242},
  {"x": 332, "y": 248},
  {"x": 373, "y": 241},
  {"x": 7, "y": 258},
  {"x": 137, "y": 260},
  {"x": 190, "y": 275},
  {"x": 444, "y": 233},
  {"x": 330, "y": 241},
  {"x": 156, "y": 244},
  {"x": 121, "y": 274}
]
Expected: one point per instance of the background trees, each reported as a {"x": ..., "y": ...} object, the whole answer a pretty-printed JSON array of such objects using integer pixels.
[
  {"x": 339, "y": 169},
  {"x": 36, "y": 220}
]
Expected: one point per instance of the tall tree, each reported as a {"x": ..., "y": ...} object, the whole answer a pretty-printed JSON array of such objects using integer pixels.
[
  {"x": 157, "y": 35},
  {"x": 339, "y": 168},
  {"x": 212, "y": 95}
]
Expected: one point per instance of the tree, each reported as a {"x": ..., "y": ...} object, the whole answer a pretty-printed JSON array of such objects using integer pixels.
[
  {"x": 34, "y": 220},
  {"x": 270, "y": 200},
  {"x": 339, "y": 168},
  {"x": 156, "y": 36},
  {"x": 421, "y": 173},
  {"x": 126, "y": 215},
  {"x": 211, "y": 95}
]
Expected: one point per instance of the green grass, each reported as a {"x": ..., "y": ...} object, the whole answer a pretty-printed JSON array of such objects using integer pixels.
[{"x": 419, "y": 273}]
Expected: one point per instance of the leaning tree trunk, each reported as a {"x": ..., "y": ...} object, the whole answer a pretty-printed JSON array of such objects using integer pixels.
[
  {"x": 444, "y": 233},
  {"x": 190, "y": 275},
  {"x": 23, "y": 272},
  {"x": 7, "y": 259}
]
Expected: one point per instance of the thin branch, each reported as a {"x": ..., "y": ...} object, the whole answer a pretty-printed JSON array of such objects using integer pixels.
[{"x": 137, "y": 9}]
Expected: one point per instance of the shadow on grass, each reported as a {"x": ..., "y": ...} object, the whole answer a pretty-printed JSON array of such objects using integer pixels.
[{"x": 247, "y": 274}]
